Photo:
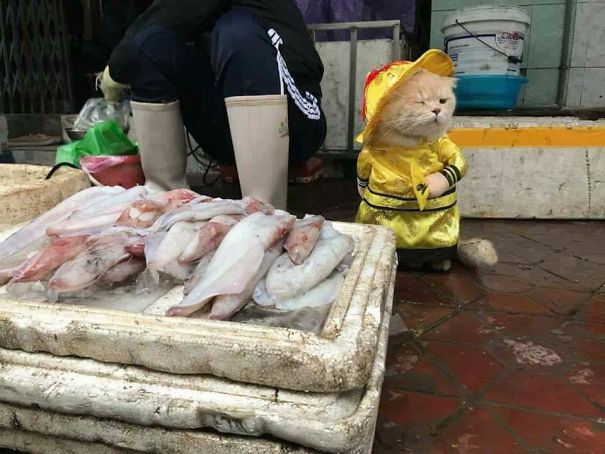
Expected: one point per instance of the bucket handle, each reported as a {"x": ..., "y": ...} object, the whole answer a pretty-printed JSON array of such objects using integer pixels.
[{"x": 511, "y": 58}]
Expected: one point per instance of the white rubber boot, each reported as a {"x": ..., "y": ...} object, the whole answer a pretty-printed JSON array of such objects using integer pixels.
[
  {"x": 259, "y": 131},
  {"x": 161, "y": 139}
]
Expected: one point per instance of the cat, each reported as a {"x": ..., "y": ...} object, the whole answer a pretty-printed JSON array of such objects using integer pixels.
[{"x": 407, "y": 175}]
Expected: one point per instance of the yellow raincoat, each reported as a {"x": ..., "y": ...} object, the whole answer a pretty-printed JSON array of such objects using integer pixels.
[{"x": 395, "y": 193}]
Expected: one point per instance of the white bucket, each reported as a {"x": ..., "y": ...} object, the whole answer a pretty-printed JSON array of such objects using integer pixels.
[{"x": 486, "y": 40}]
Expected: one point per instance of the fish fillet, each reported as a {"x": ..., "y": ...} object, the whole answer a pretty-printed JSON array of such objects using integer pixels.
[
  {"x": 50, "y": 258},
  {"x": 303, "y": 237},
  {"x": 36, "y": 229},
  {"x": 198, "y": 273},
  {"x": 163, "y": 255},
  {"x": 286, "y": 280},
  {"x": 89, "y": 265},
  {"x": 143, "y": 213},
  {"x": 237, "y": 259},
  {"x": 99, "y": 216},
  {"x": 208, "y": 210},
  {"x": 225, "y": 306},
  {"x": 208, "y": 238},
  {"x": 324, "y": 293},
  {"x": 124, "y": 270}
]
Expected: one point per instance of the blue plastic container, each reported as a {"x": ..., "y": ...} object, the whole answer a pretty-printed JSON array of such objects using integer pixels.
[{"x": 488, "y": 92}]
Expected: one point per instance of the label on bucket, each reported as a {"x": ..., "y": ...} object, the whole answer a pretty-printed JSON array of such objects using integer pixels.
[{"x": 486, "y": 53}]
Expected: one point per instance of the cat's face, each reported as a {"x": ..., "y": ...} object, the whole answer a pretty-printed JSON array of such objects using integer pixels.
[{"x": 422, "y": 107}]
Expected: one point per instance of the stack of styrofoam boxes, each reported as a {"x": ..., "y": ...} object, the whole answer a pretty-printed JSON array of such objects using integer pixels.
[{"x": 82, "y": 379}]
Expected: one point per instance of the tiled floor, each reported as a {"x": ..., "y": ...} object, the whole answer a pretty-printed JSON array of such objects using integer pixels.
[{"x": 506, "y": 360}]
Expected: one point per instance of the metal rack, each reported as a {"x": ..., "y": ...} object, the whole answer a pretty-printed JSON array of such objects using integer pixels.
[
  {"x": 34, "y": 58},
  {"x": 353, "y": 27}
]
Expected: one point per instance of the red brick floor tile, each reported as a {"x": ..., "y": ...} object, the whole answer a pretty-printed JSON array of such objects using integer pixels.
[
  {"x": 561, "y": 233},
  {"x": 478, "y": 432},
  {"x": 589, "y": 349},
  {"x": 532, "y": 275},
  {"x": 553, "y": 329},
  {"x": 464, "y": 327},
  {"x": 559, "y": 301},
  {"x": 403, "y": 407},
  {"x": 592, "y": 327},
  {"x": 587, "y": 250},
  {"x": 532, "y": 355},
  {"x": 504, "y": 284},
  {"x": 421, "y": 317},
  {"x": 590, "y": 378},
  {"x": 594, "y": 312},
  {"x": 472, "y": 366},
  {"x": 510, "y": 303},
  {"x": 530, "y": 390},
  {"x": 409, "y": 288},
  {"x": 586, "y": 274},
  {"x": 458, "y": 284},
  {"x": 554, "y": 434},
  {"x": 393, "y": 438},
  {"x": 407, "y": 369}
]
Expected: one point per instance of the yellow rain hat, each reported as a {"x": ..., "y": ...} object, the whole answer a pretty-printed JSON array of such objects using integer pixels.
[{"x": 381, "y": 81}]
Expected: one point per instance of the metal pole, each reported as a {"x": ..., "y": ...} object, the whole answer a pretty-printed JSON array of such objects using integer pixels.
[
  {"x": 352, "y": 83},
  {"x": 396, "y": 42},
  {"x": 66, "y": 57},
  {"x": 570, "y": 13}
]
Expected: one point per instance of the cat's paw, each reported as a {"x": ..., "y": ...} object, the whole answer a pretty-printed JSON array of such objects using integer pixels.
[
  {"x": 437, "y": 184},
  {"x": 441, "y": 265}
]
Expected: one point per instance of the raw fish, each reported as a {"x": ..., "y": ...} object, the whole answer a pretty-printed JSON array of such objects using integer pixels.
[
  {"x": 143, "y": 213},
  {"x": 140, "y": 214},
  {"x": 237, "y": 259},
  {"x": 36, "y": 229},
  {"x": 123, "y": 270},
  {"x": 164, "y": 256},
  {"x": 50, "y": 258},
  {"x": 116, "y": 203},
  {"x": 6, "y": 275},
  {"x": 208, "y": 210},
  {"x": 98, "y": 217},
  {"x": 224, "y": 306},
  {"x": 286, "y": 280},
  {"x": 303, "y": 237},
  {"x": 324, "y": 293},
  {"x": 198, "y": 273},
  {"x": 208, "y": 238},
  {"x": 90, "y": 265}
]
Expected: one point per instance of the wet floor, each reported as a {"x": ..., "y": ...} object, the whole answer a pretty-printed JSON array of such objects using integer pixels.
[{"x": 503, "y": 360}]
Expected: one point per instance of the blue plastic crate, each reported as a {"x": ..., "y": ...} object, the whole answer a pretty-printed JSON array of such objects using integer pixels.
[{"x": 488, "y": 92}]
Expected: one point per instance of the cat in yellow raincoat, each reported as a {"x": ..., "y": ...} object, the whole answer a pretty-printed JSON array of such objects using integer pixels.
[{"x": 408, "y": 168}]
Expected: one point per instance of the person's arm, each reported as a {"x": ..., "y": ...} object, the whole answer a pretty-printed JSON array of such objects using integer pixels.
[{"x": 181, "y": 16}]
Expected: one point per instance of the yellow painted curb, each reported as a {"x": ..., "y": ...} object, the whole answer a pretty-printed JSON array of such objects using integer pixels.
[{"x": 553, "y": 137}]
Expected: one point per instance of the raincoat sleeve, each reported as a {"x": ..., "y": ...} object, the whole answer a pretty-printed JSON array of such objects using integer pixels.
[
  {"x": 452, "y": 157},
  {"x": 364, "y": 168}
]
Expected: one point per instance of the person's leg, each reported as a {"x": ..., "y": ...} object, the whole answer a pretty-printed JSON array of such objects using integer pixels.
[
  {"x": 174, "y": 80},
  {"x": 244, "y": 61}
]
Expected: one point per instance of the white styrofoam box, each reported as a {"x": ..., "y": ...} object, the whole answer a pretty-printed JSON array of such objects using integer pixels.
[
  {"x": 57, "y": 400},
  {"x": 339, "y": 358}
]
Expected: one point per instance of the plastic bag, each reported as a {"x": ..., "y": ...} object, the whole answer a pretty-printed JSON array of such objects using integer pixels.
[
  {"x": 98, "y": 110},
  {"x": 125, "y": 171},
  {"x": 104, "y": 139}
]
